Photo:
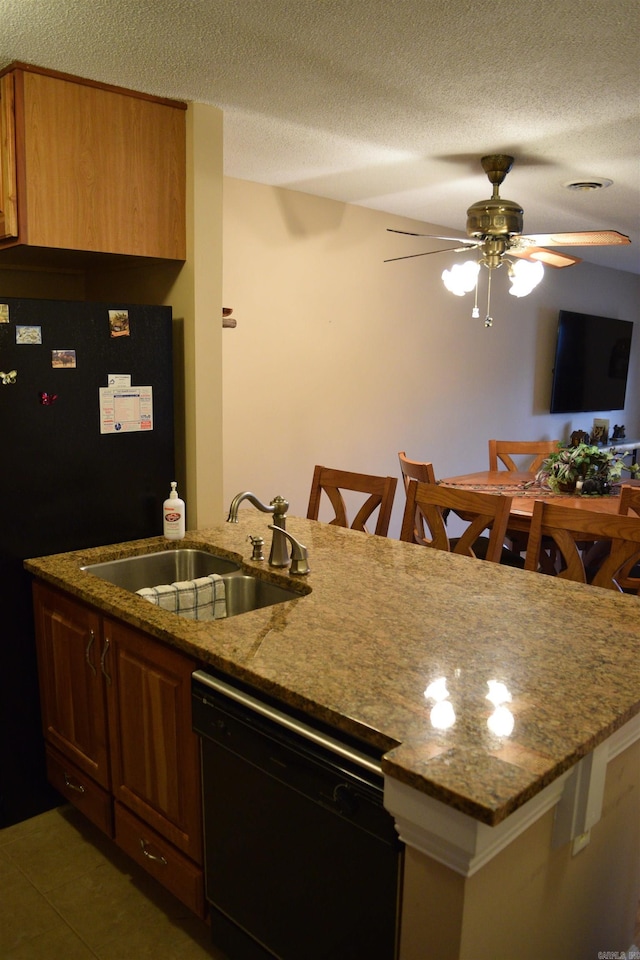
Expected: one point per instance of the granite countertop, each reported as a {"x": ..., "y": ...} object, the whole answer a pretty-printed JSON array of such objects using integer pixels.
[{"x": 381, "y": 621}]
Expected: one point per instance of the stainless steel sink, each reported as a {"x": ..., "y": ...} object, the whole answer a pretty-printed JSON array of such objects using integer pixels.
[
  {"x": 244, "y": 593},
  {"x": 167, "y": 566}
]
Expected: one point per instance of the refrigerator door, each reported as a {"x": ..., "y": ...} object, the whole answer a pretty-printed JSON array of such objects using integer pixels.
[
  {"x": 64, "y": 484},
  {"x": 68, "y": 484}
]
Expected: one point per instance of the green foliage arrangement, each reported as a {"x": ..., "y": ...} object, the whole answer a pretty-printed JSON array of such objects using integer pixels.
[{"x": 592, "y": 468}]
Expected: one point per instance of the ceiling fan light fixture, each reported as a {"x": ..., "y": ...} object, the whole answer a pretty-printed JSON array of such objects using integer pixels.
[
  {"x": 461, "y": 278},
  {"x": 524, "y": 275},
  {"x": 594, "y": 183}
]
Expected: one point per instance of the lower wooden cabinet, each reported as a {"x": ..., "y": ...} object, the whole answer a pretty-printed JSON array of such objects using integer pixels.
[
  {"x": 80, "y": 790},
  {"x": 161, "y": 859},
  {"x": 116, "y": 713}
]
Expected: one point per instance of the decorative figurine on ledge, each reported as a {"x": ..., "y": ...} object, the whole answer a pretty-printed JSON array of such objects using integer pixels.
[
  {"x": 579, "y": 436},
  {"x": 618, "y": 432}
]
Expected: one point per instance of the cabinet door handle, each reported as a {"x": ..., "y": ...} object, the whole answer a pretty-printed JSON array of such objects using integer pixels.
[
  {"x": 73, "y": 786},
  {"x": 105, "y": 650},
  {"x": 92, "y": 637},
  {"x": 152, "y": 856}
]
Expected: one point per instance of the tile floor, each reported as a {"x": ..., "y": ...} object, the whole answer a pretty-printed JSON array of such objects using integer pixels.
[{"x": 68, "y": 893}]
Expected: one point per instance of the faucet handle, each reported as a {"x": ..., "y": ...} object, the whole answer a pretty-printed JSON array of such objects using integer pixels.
[{"x": 299, "y": 554}]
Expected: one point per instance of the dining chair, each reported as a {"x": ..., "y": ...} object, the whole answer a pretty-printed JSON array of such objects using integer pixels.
[
  {"x": 500, "y": 453},
  {"x": 569, "y": 528},
  {"x": 481, "y": 511},
  {"x": 423, "y": 472},
  {"x": 380, "y": 491}
]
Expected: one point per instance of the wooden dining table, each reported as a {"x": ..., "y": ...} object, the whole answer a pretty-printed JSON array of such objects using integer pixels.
[{"x": 521, "y": 486}]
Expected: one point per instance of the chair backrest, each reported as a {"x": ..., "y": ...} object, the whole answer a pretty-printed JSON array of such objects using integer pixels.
[
  {"x": 570, "y": 527},
  {"x": 481, "y": 511},
  {"x": 629, "y": 500},
  {"x": 539, "y": 450},
  {"x": 380, "y": 490},
  {"x": 424, "y": 472},
  {"x": 629, "y": 506}
]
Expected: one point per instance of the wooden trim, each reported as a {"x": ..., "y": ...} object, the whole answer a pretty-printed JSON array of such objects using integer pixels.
[
  {"x": 8, "y": 185},
  {"x": 59, "y": 75}
]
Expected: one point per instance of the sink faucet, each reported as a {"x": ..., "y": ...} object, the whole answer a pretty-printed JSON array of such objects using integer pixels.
[{"x": 279, "y": 554}]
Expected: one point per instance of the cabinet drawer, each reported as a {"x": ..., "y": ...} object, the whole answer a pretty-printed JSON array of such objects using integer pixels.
[
  {"x": 183, "y": 878},
  {"x": 80, "y": 790}
]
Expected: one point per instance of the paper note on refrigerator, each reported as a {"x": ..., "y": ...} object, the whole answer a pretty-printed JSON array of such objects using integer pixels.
[{"x": 126, "y": 409}]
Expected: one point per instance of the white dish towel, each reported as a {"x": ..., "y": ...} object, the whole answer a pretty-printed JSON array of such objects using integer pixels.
[{"x": 200, "y": 599}]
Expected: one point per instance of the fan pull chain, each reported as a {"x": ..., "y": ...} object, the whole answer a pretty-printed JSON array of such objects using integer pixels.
[
  {"x": 488, "y": 320},
  {"x": 475, "y": 313}
]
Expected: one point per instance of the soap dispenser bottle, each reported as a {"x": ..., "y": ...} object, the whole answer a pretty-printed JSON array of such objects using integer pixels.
[{"x": 173, "y": 512}]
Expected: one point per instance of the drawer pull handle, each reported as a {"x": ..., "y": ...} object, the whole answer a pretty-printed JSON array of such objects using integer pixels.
[
  {"x": 105, "y": 650},
  {"x": 92, "y": 637},
  {"x": 152, "y": 856},
  {"x": 73, "y": 786}
]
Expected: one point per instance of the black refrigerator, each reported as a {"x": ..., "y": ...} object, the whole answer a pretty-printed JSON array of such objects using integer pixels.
[{"x": 86, "y": 459}]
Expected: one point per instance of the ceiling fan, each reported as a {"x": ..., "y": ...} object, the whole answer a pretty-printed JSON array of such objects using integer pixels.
[{"x": 494, "y": 227}]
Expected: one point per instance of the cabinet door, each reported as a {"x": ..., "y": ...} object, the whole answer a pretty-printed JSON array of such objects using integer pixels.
[
  {"x": 155, "y": 766},
  {"x": 104, "y": 170},
  {"x": 72, "y": 695},
  {"x": 8, "y": 197}
]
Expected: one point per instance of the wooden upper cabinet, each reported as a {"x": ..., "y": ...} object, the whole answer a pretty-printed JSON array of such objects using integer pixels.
[{"x": 94, "y": 168}]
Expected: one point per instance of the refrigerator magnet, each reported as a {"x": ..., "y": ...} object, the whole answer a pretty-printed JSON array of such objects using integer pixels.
[
  {"x": 28, "y": 334},
  {"x": 119, "y": 323},
  {"x": 4, "y": 313},
  {"x": 8, "y": 378},
  {"x": 47, "y": 399},
  {"x": 63, "y": 359}
]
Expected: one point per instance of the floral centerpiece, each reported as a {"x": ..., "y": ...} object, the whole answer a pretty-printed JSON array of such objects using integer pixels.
[{"x": 584, "y": 467}]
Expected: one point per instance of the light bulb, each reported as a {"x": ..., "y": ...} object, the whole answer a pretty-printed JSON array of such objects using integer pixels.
[
  {"x": 461, "y": 278},
  {"x": 524, "y": 276}
]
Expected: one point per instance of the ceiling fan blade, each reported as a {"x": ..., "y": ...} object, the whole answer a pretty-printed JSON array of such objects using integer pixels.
[
  {"x": 552, "y": 258},
  {"x": 584, "y": 238},
  {"x": 431, "y": 236},
  {"x": 428, "y": 252}
]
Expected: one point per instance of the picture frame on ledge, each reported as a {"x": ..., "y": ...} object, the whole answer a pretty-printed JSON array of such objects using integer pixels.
[{"x": 600, "y": 431}]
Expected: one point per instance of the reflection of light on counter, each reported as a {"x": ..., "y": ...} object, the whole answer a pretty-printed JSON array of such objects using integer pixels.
[
  {"x": 437, "y": 689},
  {"x": 498, "y": 693},
  {"x": 501, "y": 720},
  {"x": 442, "y": 714}
]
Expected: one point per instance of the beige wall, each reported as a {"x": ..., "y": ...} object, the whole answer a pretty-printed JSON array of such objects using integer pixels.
[
  {"x": 532, "y": 901},
  {"x": 342, "y": 359}
]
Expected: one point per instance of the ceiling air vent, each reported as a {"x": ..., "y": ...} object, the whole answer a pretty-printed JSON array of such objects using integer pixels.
[{"x": 595, "y": 184}]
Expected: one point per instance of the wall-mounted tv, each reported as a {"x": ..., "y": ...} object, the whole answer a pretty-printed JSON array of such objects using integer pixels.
[{"x": 591, "y": 364}]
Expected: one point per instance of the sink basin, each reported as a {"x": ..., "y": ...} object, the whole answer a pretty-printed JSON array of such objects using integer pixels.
[
  {"x": 167, "y": 566},
  {"x": 244, "y": 593}
]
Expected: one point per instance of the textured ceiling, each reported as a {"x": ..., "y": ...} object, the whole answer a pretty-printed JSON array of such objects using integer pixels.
[{"x": 385, "y": 104}]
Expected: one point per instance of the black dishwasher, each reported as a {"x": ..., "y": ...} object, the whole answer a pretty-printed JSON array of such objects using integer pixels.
[{"x": 302, "y": 861}]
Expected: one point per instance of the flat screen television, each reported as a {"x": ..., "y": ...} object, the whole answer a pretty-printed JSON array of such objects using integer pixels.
[{"x": 591, "y": 363}]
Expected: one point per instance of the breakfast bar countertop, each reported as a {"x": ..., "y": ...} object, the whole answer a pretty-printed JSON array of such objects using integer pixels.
[{"x": 380, "y": 622}]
